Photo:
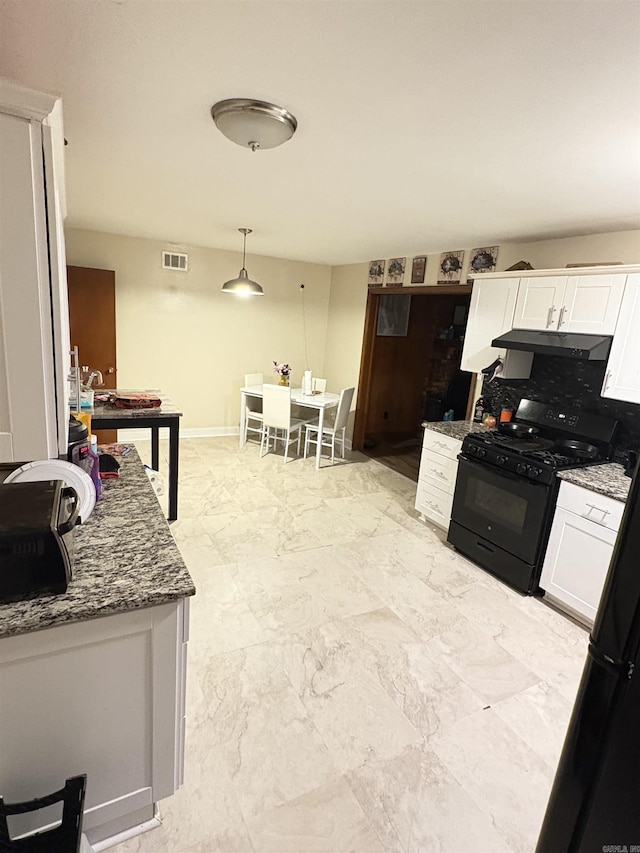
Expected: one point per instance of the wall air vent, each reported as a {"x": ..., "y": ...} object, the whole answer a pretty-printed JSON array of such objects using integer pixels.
[{"x": 175, "y": 261}]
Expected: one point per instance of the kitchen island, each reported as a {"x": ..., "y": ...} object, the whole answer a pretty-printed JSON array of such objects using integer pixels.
[{"x": 93, "y": 680}]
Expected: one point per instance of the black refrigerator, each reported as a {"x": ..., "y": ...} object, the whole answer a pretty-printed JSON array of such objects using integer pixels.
[{"x": 595, "y": 799}]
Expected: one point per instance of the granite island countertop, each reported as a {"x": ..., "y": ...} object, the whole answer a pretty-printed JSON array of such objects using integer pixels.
[
  {"x": 454, "y": 429},
  {"x": 126, "y": 558},
  {"x": 607, "y": 479}
]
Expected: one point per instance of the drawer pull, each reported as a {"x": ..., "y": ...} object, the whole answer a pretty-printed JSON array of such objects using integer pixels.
[
  {"x": 437, "y": 473},
  {"x": 433, "y": 506},
  {"x": 605, "y": 513},
  {"x": 440, "y": 444}
]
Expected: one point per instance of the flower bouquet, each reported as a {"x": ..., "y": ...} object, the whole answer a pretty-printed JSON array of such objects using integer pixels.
[{"x": 283, "y": 370}]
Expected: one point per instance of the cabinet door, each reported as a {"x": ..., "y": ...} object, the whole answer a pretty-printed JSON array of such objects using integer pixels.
[
  {"x": 591, "y": 304},
  {"x": 622, "y": 378},
  {"x": 539, "y": 302},
  {"x": 490, "y": 314},
  {"x": 576, "y": 563}
]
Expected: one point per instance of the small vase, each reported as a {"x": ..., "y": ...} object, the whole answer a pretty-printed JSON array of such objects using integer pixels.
[{"x": 284, "y": 380}]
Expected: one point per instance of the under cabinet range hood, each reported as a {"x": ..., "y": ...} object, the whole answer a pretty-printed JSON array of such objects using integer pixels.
[{"x": 569, "y": 345}]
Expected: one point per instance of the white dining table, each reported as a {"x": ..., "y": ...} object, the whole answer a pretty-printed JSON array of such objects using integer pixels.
[{"x": 321, "y": 402}]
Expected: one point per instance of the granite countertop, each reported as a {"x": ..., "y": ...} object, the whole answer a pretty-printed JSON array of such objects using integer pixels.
[
  {"x": 110, "y": 410},
  {"x": 454, "y": 429},
  {"x": 608, "y": 479},
  {"x": 126, "y": 558}
]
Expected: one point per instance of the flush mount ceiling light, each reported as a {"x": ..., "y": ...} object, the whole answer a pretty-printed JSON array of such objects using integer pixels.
[
  {"x": 243, "y": 286},
  {"x": 253, "y": 124}
]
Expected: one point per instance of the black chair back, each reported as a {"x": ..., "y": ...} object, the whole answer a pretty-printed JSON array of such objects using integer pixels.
[{"x": 64, "y": 838}]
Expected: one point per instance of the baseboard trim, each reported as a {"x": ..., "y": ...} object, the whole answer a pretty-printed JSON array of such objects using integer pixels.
[
  {"x": 126, "y": 435},
  {"x": 129, "y": 435}
]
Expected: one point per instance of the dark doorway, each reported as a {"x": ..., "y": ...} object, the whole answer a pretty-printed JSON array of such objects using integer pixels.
[{"x": 406, "y": 378}]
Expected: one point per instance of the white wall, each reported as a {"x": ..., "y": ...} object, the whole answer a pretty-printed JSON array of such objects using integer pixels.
[
  {"x": 177, "y": 331},
  {"x": 349, "y": 287}
]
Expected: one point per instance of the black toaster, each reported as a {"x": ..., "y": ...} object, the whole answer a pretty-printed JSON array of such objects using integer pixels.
[{"x": 37, "y": 523}]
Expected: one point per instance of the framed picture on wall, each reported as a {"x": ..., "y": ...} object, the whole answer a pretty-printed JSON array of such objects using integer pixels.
[
  {"x": 450, "y": 267},
  {"x": 418, "y": 269},
  {"x": 393, "y": 316},
  {"x": 484, "y": 259},
  {"x": 395, "y": 272},
  {"x": 376, "y": 273}
]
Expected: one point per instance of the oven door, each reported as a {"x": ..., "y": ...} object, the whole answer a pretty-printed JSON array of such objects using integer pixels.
[{"x": 504, "y": 509}]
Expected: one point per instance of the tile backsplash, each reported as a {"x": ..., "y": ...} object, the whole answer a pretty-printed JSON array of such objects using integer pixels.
[{"x": 567, "y": 382}]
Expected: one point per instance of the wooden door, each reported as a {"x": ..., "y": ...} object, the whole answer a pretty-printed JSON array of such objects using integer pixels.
[{"x": 92, "y": 321}]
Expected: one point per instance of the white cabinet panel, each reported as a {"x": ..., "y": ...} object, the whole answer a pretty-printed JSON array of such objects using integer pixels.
[
  {"x": 490, "y": 314},
  {"x": 539, "y": 302},
  {"x": 576, "y": 563},
  {"x": 586, "y": 304},
  {"x": 437, "y": 476},
  {"x": 439, "y": 471},
  {"x": 622, "y": 377},
  {"x": 591, "y": 304},
  {"x": 442, "y": 444},
  {"x": 103, "y": 697},
  {"x": 590, "y": 505},
  {"x": 434, "y": 503}
]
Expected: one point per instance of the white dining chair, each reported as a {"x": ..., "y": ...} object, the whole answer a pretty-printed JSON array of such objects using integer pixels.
[
  {"x": 319, "y": 385},
  {"x": 331, "y": 431},
  {"x": 253, "y": 406},
  {"x": 276, "y": 416}
]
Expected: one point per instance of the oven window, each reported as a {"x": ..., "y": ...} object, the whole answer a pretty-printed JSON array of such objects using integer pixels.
[{"x": 497, "y": 505}]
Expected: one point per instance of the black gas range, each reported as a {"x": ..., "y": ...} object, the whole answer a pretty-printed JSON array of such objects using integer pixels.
[{"x": 506, "y": 487}]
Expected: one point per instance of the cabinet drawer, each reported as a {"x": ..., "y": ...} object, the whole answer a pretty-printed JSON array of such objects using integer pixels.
[
  {"x": 600, "y": 509},
  {"x": 434, "y": 503},
  {"x": 440, "y": 471},
  {"x": 443, "y": 444}
]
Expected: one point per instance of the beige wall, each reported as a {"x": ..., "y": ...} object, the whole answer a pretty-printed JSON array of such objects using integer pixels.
[
  {"x": 349, "y": 288},
  {"x": 177, "y": 331}
]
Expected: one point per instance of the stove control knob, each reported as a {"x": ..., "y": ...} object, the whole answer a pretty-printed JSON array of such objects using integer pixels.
[
  {"x": 472, "y": 449},
  {"x": 535, "y": 472},
  {"x": 481, "y": 452},
  {"x": 501, "y": 460},
  {"x": 521, "y": 468}
]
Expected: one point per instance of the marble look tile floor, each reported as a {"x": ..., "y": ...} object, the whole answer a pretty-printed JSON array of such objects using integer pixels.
[{"x": 355, "y": 685}]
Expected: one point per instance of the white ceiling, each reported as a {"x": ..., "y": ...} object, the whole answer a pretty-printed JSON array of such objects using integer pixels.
[{"x": 424, "y": 126}]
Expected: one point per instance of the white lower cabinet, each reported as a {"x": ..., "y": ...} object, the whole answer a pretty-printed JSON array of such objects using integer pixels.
[
  {"x": 584, "y": 530},
  {"x": 437, "y": 477},
  {"x": 104, "y": 697}
]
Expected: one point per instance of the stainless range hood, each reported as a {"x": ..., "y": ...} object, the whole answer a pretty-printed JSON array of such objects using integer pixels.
[{"x": 569, "y": 345}]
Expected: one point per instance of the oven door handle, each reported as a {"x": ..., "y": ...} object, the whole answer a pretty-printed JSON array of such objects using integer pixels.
[{"x": 507, "y": 475}]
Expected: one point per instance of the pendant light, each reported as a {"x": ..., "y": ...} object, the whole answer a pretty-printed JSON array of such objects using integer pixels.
[{"x": 243, "y": 286}]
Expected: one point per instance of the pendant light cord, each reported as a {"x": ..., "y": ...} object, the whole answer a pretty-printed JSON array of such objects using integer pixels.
[{"x": 244, "y": 249}]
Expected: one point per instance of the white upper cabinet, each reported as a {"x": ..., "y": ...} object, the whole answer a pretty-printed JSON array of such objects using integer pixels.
[
  {"x": 493, "y": 302},
  {"x": 591, "y": 304},
  {"x": 622, "y": 377},
  {"x": 586, "y": 304},
  {"x": 539, "y": 302}
]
